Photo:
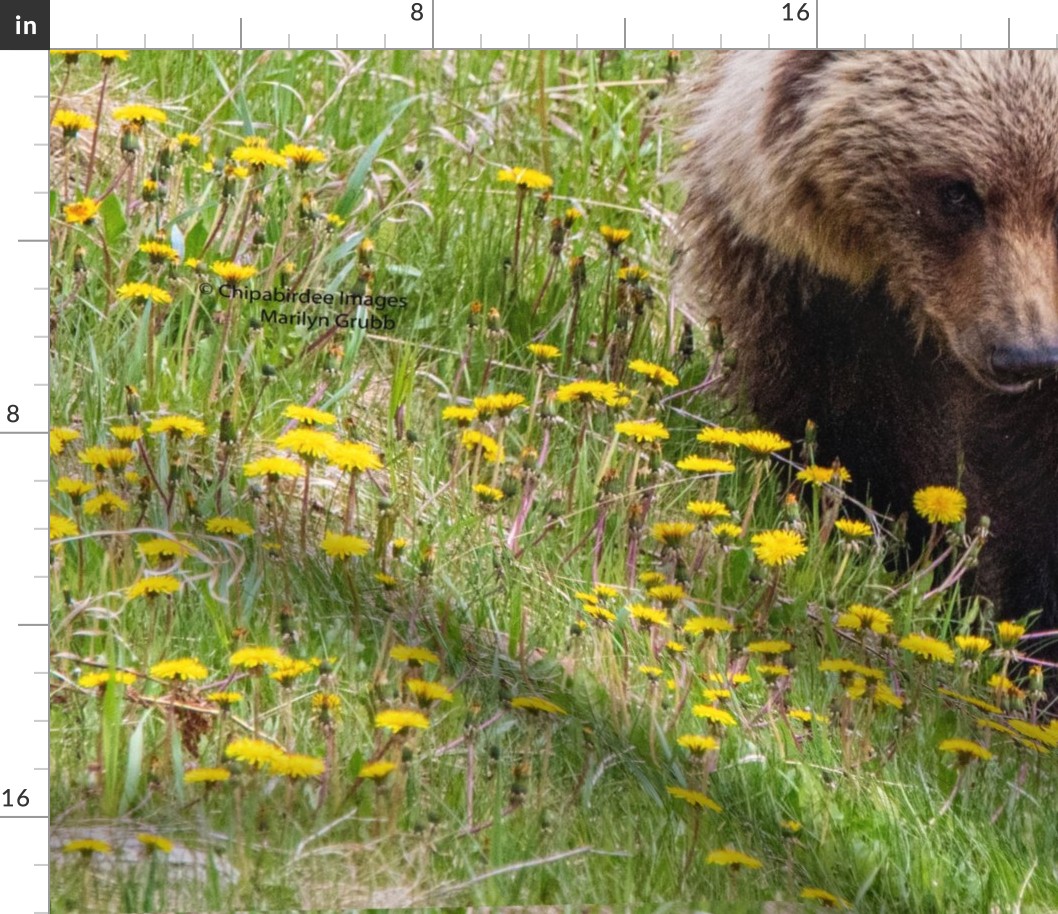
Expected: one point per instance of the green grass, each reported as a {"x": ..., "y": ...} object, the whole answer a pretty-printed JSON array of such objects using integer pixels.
[{"x": 567, "y": 808}]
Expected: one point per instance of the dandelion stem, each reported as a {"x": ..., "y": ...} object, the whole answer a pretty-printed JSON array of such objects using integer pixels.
[{"x": 95, "y": 133}]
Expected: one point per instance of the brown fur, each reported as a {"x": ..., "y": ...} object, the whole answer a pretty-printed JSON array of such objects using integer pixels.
[{"x": 874, "y": 231}]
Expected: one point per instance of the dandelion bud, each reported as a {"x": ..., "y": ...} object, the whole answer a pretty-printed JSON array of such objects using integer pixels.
[
  {"x": 78, "y": 260},
  {"x": 132, "y": 401},
  {"x": 716, "y": 334},
  {"x": 227, "y": 428},
  {"x": 268, "y": 371},
  {"x": 130, "y": 141},
  {"x": 687, "y": 341}
]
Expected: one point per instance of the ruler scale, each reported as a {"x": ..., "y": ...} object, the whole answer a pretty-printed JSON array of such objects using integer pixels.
[{"x": 431, "y": 24}]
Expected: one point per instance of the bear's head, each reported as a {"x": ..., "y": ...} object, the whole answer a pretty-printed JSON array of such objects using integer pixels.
[{"x": 935, "y": 171}]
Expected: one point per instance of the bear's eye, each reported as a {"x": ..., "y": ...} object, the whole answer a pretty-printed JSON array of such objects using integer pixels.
[{"x": 958, "y": 200}]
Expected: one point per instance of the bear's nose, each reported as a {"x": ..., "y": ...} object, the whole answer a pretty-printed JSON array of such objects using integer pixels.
[{"x": 1025, "y": 363}]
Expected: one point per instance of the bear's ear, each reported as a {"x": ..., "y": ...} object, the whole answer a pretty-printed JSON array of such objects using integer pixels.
[{"x": 791, "y": 84}]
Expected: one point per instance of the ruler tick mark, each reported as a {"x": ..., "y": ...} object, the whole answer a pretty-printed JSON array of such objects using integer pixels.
[
  {"x": 27, "y": 240},
  {"x": 33, "y": 624}
]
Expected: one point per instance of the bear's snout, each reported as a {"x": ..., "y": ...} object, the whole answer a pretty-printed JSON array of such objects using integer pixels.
[{"x": 1014, "y": 364}]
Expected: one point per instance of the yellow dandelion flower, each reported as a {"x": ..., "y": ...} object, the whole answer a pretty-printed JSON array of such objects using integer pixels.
[
  {"x": 87, "y": 847},
  {"x": 940, "y": 504},
  {"x": 762, "y": 442},
  {"x": 184, "y": 426},
  {"x": 642, "y": 430},
  {"x": 206, "y": 775},
  {"x": 878, "y": 620},
  {"x": 415, "y": 656},
  {"x": 273, "y": 467},
  {"x": 825, "y": 898},
  {"x": 460, "y": 415},
  {"x": 101, "y": 678},
  {"x": 500, "y": 404},
  {"x": 489, "y": 493},
  {"x": 667, "y": 594},
  {"x": 652, "y": 672},
  {"x": 702, "y": 465},
  {"x": 698, "y": 744},
  {"x": 878, "y": 692},
  {"x": 290, "y": 669},
  {"x": 721, "y": 437},
  {"x": 853, "y": 528},
  {"x": 232, "y": 272},
  {"x": 707, "y": 625},
  {"x": 726, "y": 533},
  {"x": 155, "y": 843},
  {"x": 188, "y": 141},
  {"x": 490, "y": 449},
  {"x": 966, "y": 750},
  {"x": 527, "y": 178},
  {"x": 694, "y": 798},
  {"x": 153, "y": 586},
  {"x": 291, "y": 765},
  {"x": 818, "y": 475},
  {"x": 354, "y": 457},
  {"x": 228, "y": 526},
  {"x": 60, "y": 527},
  {"x": 605, "y": 392},
  {"x": 303, "y": 156},
  {"x": 769, "y": 647},
  {"x": 339, "y": 546},
  {"x": 708, "y": 509},
  {"x": 161, "y": 548},
  {"x": 157, "y": 252},
  {"x": 308, "y": 442},
  {"x": 139, "y": 114},
  {"x": 536, "y": 704},
  {"x": 427, "y": 691},
  {"x": 778, "y": 547},
  {"x": 655, "y": 374},
  {"x": 59, "y": 437},
  {"x": 614, "y": 237},
  {"x": 252, "y": 657},
  {"x": 258, "y": 157},
  {"x": 375, "y": 771},
  {"x": 225, "y": 699},
  {"x": 649, "y": 615},
  {"x": 735, "y": 859},
  {"x": 598, "y": 612},
  {"x": 544, "y": 351},
  {"x": 715, "y": 715},
  {"x": 1009, "y": 633},
  {"x": 928, "y": 648},
  {"x": 82, "y": 212},
  {"x": 307, "y": 415},
  {"x": 71, "y": 122},
  {"x": 397, "y": 719},
  {"x": 256, "y": 752},
  {"x": 181, "y": 668},
  {"x": 104, "y": 503},
  {"x": 972, "y": 644},
  {"x": 141, "y": 292},
  {"x": 671, "y": 533},
  {"x": 126, "y": 434}
]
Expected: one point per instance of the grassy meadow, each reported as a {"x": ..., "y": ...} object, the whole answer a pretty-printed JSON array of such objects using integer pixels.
[{"x": 473, "y": 585}]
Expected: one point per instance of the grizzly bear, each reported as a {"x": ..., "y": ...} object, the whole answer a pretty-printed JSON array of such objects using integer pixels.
[{"x": 877, "y": 233}]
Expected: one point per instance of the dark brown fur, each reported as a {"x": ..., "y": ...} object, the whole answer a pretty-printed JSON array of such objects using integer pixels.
[{"x": 874, "y": 231}]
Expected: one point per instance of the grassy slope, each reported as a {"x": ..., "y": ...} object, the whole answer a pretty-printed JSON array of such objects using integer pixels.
[{"x": 865, "y": 787}]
